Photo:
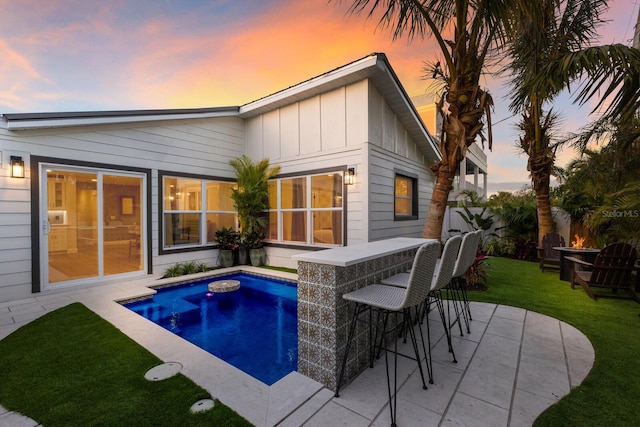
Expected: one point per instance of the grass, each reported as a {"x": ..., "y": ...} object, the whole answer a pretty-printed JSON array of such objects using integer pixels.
[
  {"x": 283, "y": 269},
  {"x": 96, "y": 377},
  {"x": 610, "y": 394},
  {"x": 72, "y": 368}
]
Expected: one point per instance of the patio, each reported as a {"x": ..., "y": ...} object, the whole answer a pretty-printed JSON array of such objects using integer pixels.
[{"x": 513, "y": 365}]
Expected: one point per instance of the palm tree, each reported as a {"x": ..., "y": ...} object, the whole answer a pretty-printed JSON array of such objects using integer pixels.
[
  {"x": 550, "y": 49},
  {"x": 466, "y": 32},
  {"x": 601, "y": 191},
  {"x": 250, "y": 197}
]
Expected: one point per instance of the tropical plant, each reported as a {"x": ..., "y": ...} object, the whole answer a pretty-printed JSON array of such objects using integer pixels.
[
  {"x": 181, "y": 269},
  {"x": 254, "y": 239},
  {"x": 251, "y": 196},
  {"x": 600, "y": 193},
  {"x": 467, "y": 32},
  {"x": 495, "y": 247},
  {"x": 550, "y": 48},
  {"x": 518, "y": 213},
  {"x": 477, "y": 275},
  {"x": 471, "y": 198},
  {"x": 193, "y": 267},
  {"x": 173, "y": 271},
  {"x": 622, "y": 210},
  {"x": 478, "y": 221},
  {"x": 228, "y": 238}
]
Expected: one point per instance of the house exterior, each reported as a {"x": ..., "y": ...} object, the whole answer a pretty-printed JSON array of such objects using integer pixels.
[{"x": 115, "y": 195}]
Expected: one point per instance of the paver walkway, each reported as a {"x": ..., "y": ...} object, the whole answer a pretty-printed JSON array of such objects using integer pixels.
[{"x": 512, "y": 366}]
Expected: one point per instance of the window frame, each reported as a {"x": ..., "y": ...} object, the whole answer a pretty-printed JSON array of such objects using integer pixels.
[
  {"x": 202, "y": 212},
  {"x": 309, "y": 209},
  {"x": 413, "y": 178}
]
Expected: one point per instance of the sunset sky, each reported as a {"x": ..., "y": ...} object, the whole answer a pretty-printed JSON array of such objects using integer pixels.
[{"x": 63, "y": 55}]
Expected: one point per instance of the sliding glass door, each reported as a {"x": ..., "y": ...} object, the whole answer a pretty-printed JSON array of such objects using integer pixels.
[{"x": 93, "y": 224}]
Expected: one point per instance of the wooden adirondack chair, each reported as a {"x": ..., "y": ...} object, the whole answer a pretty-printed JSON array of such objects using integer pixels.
[
  {"x": 611, "y": 269},
  {"x": 546, "y": 253}
]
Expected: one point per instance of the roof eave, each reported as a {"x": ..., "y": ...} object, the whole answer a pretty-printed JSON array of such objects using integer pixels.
[{"x": 25, "y": 121}]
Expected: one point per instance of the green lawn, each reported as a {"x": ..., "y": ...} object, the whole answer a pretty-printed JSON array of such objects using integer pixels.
[
  {"x": 72, "y": 368},
  {"x": 610, "y": 395}
]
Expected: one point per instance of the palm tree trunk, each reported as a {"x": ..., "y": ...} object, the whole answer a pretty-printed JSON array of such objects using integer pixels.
[
  {"x": 545, "y": 218},
  {"x": 437, "y": 208},
  {"x": 540, "y": 165}
]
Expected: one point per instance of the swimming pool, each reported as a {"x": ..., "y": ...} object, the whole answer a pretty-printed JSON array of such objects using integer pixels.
[{"x": 254, "y": 328}]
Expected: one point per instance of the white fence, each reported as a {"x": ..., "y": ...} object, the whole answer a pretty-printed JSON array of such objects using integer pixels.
[{"x": 453, "y": 221}]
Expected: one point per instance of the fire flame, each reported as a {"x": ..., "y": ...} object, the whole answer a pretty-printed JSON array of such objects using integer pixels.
[{"x": 578, "y": 243}]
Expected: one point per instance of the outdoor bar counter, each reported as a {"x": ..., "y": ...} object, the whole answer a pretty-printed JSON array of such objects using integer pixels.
[{"x": 323, "y": 316}]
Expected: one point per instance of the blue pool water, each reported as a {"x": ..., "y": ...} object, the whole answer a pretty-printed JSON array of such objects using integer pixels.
[{"x": 254, "y": 328}]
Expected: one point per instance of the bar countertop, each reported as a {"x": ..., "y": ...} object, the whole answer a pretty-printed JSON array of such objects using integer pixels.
[{"x": 345, "y": 256}]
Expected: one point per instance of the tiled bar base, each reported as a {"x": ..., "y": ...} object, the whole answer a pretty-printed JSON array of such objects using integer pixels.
[{"x": 324, "y": 317}]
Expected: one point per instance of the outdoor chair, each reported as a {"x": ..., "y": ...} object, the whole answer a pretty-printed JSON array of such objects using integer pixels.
[
  {"x": 391, "y": 300},
  {"x": 546, "y": 253},
  {"x": 439, "y": 281},
  {"x": 611, "y": 269},
  {"x": 466, "y": 258}
]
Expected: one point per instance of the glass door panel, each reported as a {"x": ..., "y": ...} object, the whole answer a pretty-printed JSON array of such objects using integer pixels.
[
  {"x": 72, "y": 212},
  {"x": 122, "y": 213},
  {"x": 94, "y": 222}
]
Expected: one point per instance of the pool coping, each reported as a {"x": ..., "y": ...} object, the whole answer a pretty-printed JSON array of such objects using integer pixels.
[
  {"x": 257, "y": 402},
  {"x": 208, "y": 282},
  {"x": 260, "y": 404}
]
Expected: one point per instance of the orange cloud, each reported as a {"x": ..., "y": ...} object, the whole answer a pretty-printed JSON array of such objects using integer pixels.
[{"x": 263, "y": 54}]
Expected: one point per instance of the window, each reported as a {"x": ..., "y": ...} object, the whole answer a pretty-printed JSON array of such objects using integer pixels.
[
  {"x": 193, "y": 209},
  {"x": 306, "y": 210},
  {"x": 406, "y": 197}
]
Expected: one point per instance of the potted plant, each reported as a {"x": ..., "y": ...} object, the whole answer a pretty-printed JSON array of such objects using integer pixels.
[
  {"x": 251, "y": 199},
  {"x": 254, "y": 241},
  {"x": 243, "y": 250},
  {"x": 228, "y": 241}
]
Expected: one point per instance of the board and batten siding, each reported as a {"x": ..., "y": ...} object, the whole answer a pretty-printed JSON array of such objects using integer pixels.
[
  {"x": 392, "y": 150},
  {"x": 195, "y": 146},
  {"x": 322, "y": 132}
]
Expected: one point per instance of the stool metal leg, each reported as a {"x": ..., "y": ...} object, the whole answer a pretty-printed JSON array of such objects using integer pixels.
[{"x": 358, "y": 309}]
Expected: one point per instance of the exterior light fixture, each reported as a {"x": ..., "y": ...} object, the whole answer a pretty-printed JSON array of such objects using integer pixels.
[
  {"x": 350, "y": 176},
  {"x": 17, "y": 167}
]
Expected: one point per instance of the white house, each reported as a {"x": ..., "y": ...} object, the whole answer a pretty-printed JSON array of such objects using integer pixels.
[{"x": 114, "y": 195}]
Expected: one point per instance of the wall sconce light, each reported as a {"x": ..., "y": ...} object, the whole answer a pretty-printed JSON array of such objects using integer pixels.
[
  {"x": 350, "y": 176},
  {"x": 17, "y": 167}
]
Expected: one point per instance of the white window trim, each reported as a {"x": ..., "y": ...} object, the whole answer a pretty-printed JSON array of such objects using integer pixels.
[
  {"x": 202, "y": 212},
  {"x": 309, "y": 210}
]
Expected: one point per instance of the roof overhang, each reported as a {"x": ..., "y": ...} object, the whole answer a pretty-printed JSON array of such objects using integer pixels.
[
  {"x": 23, "y": 121},
  {"x": 374, "y": 67}
]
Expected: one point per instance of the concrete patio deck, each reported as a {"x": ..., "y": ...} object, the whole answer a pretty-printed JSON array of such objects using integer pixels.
[{"x": 512, "y": 366}]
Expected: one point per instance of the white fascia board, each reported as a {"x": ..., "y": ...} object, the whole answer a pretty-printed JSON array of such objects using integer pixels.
[
  {"x": 90, "y": 121},
  {"x": 312, "y": 84}
]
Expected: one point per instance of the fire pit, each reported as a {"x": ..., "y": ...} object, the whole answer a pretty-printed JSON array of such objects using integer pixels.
[{"x": 585, "y": 254}]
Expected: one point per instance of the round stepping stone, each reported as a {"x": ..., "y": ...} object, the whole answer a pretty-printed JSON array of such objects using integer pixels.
[
  {"x": 224, "y": 286},
  {"x": 164, "y": 371},
  {"x": 202, "y": 405}
]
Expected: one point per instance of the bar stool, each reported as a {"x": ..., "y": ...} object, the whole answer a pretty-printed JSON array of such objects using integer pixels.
[
  {"x": 387, "y": 300},
  {"x": 439, "y": 281}
]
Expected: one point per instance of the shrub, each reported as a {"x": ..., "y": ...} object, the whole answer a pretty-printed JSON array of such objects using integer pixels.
[
  {"x": 228, "y": 238},
  {"x": 181, "y": 269}
]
